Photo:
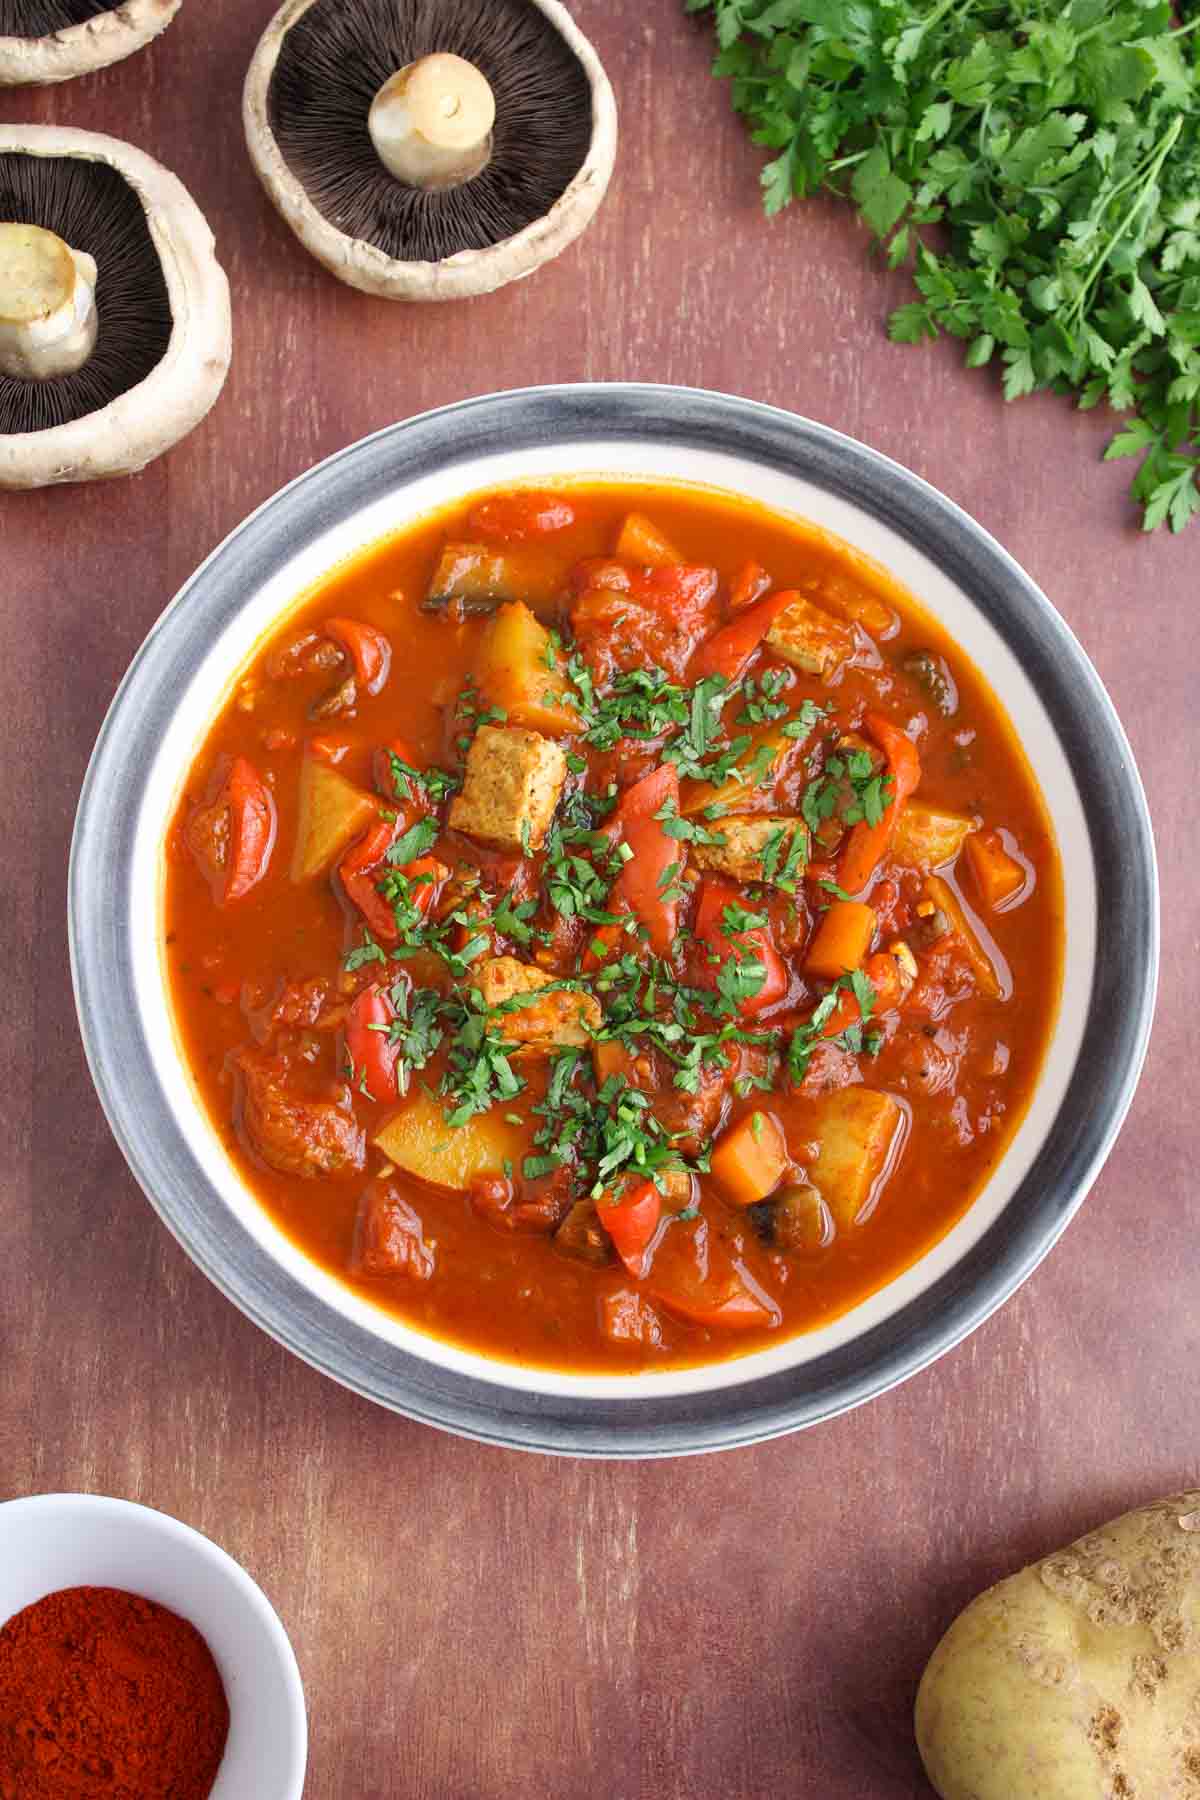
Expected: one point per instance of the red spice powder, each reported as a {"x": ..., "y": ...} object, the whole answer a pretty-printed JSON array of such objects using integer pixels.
[{"x": 107, "y": 1696}]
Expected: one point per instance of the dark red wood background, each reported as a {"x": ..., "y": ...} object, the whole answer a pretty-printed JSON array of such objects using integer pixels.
[{"x": 471, "y": 1622}]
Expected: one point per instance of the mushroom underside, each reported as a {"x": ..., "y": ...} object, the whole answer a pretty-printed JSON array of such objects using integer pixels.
[
  {"x": 335, "y": 59},
  {"x": 40, "y": 18},
  {"x": 93, "y": 208}
]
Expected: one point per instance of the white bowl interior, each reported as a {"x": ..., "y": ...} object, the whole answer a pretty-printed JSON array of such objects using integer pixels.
[
  {"x": 58, "y": 1541},
  {"x": 636, "y": 462}
]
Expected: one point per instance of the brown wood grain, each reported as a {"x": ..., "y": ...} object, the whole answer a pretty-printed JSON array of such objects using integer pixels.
[{"x": 473, "y": 1623}]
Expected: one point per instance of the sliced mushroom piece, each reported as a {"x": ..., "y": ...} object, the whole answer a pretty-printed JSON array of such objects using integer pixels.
[
  {"x": 114, "y": 312},
  {"x": 55, "y": 40},
  {"x": 430, "y": 149}
]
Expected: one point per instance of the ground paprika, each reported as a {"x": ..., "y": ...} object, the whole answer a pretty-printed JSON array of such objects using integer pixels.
[{"x": 107, "y": 1696}]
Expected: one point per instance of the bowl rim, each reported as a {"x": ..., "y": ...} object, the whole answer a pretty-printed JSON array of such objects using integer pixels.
[
  {"x": 1101, "y": 1083},
  {"x": 183, "y": 1540}
]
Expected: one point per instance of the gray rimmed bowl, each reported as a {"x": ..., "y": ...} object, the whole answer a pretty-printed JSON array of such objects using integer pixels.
[{"x": 1052, "y": 695}]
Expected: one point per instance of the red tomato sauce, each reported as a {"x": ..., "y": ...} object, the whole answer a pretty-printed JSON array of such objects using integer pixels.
[{"x": 716, "y": 961}]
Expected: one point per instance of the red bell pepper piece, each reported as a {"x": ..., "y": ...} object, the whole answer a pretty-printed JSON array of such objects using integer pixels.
[
  {"x": 357, "y": 872},
  {"x": 233, "y": 834},
  {"x": 372, "y": 1055},
  {"x": 367, "y": 648},
  {"x": 753, "y": 945},
  {"x": 730, "y": 649},
  {"x": 365, "y": 863},
  {"x": 515, "y": 518},
  {"x": 644, "y": 799},
  {"x": 644, "y": 884},
  {"x": 867, "y": 845},
  {"x": 409, "y": 795},
  {"x": 251, "y": 829},
  {"x": 631, "y": 1220}
]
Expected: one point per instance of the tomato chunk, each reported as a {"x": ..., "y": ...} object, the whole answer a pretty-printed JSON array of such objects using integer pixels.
[
  {"x": 699, "y": 1280},
  {"x": 749, "y": 947}
]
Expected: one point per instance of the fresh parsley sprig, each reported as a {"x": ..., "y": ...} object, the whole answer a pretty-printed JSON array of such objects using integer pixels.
[{"x": 1058, "y": 149}]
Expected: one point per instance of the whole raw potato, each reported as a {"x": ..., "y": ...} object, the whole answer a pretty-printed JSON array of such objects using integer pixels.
[{"x": 1079, "y": 1678}]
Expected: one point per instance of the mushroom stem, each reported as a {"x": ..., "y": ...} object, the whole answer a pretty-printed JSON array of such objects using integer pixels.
[
  {"x": 431, "y": 123},
  {"x": 48, "y": 321}
]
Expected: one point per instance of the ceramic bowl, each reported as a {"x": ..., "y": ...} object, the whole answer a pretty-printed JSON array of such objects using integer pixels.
[
  {"x": 990, "y": 607},
  {"x": 57, "y": 1541}
]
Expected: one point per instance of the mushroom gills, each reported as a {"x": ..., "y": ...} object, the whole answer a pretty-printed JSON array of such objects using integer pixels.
[
  {"x": 40, "y": 18},
  {"x": 48, "y": 319},
  {"x": 340, "y": 54},
  {"x": 431, "y": 123},
  {"x": 90, "y": 207}
]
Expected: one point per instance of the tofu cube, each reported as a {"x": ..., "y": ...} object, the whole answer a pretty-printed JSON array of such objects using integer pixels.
[
  {"x": 810, "y": 639},
  {"x": 856, "y": 1129},
  {"x": 748, "y": 836},
  {"x": 548, "y": 1019},
  {"x": 511, "y": 788}
]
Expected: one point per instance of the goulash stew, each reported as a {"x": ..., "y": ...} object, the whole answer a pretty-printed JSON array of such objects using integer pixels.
[{"x": 612, "y": 927}]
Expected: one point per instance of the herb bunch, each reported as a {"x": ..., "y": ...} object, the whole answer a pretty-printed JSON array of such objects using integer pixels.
[{"x": 1057, "y": 148}]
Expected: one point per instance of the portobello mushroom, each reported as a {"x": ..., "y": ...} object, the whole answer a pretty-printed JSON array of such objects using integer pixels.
[
  {"x": 114, "y": 313},
  {"x": 430, "y": 149}
]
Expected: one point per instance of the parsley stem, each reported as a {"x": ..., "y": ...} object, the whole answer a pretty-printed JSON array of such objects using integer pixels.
[{"x": 1145, "y": 177}]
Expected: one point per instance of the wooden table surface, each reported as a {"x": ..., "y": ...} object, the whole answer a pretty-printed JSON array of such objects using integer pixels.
[{"x": 473, "y": 1624}]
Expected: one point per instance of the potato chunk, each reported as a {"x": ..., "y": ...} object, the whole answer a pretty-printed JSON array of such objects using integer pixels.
[
  {"x": 559, "y": 1017},
  {"x": 643, "y": 543},
  {"x": 810, "y": 639},
  {"x": 748, "y": 838},
  {"x": 518, "y": 670},
  {"x": 332, "y": 812},
  {"x": 926, "y": 837},
  {"x": 856, "y": 1128},
  {"x": 420, "y": 1143},
  {"x": 512, "y": 784}
]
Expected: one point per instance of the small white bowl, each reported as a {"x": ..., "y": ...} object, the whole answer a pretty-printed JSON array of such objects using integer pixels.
[{"x": 54, "y": 1541}]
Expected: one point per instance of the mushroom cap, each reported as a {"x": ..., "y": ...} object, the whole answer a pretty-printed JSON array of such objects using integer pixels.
[
  {"x": 363, "y": 264},
  {"x": 79, "y": 36},
  {"x": 169, "y": 398}
]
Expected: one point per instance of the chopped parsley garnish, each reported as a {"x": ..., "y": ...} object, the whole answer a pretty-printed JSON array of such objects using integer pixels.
[
  {"x": 855, "y": 1038},
  {"x": 411, "y": 783},
  {"x": 685, "y": 831},
  {"x": 783, "y": 857},
  {"x": 416, "y": 1029},
  {"x": 416, "y": 841},
  {"x": 763, "y": 704},
  {"x": 848, "y": 786}
]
